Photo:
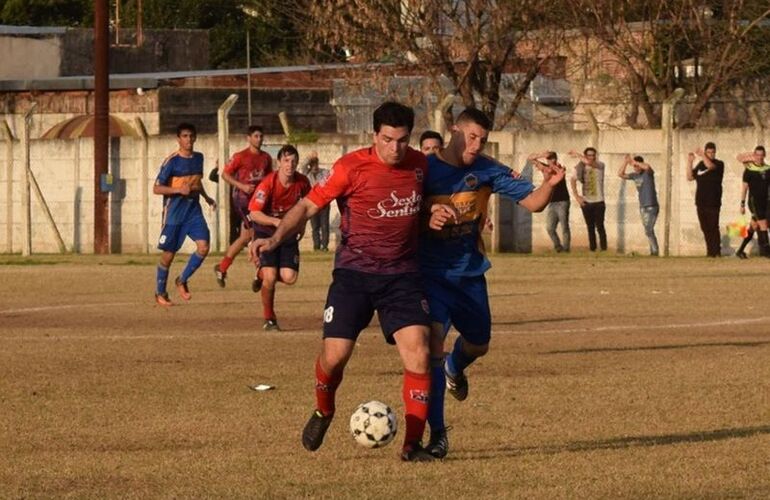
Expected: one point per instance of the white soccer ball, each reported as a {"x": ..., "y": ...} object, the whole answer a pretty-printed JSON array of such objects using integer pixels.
[{"x": 373, "y": 424}]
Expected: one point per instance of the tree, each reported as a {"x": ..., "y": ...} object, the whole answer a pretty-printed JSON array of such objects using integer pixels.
[
  {"x": 661, "y": 45},
  {"x": 46, "y": 12},
  {"x": 472, "y": 43}
]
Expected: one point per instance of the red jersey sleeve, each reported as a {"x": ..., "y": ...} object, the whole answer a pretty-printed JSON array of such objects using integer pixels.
[
  {"x": 234, "y": 164},
  {"x": 337, "y": 184},
  {"x": 261, "y": 194}
]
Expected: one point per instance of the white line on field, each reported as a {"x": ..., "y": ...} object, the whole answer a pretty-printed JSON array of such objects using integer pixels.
[{"x": 726, "y": 322}]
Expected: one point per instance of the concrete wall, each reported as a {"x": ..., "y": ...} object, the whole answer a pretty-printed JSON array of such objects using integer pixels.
[
  {"x": 29, "y": 58},
  {"x": 64, "y": 170}
]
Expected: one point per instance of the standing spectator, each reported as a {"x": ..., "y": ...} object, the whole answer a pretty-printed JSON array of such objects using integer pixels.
[
  {"x": 179, "y": 181},
  {"x": 707, "y": 174},
  {"x": 319, "y": 223},
  {"x": 558, "y": 208},
  {"x": 244, "y": 172},
  {"x": 644, "y": 178},
  {"x": 430, "y": 142},
  {"x": 756, "y": 176},
  {"x": 590, "y": 172}
]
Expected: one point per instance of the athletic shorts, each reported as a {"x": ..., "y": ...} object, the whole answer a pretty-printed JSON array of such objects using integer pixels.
[
  {"x": 240, "y": 205},
  {"x": 172, "y": 236},
  {"x": 286, "y": 255},
  {"x": 354, "y": 296},
  {"x": 461, "y": 302}
]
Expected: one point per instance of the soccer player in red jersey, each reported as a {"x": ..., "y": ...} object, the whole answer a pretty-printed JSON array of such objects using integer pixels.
[
  {"x": 379, "y": 192},
  {"x": 275, "y": 195},
  {"x": 245, "y": 171}
]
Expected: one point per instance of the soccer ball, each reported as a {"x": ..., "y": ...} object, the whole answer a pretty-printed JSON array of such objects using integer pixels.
[{"x": 373, "y": 424}]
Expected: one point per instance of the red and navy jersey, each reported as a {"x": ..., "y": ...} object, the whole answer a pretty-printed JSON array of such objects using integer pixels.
[
  {"x": 274, "y": 199},
  {"x": 458, "y": 250},
  {"x": 175, "y": 172},
  {"x": 379, "y": 207},
  {"x": 248, "y": 168}
]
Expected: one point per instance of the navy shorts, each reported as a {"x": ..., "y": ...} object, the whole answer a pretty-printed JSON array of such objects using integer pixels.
[
  {"x": 354, "y": 296},
  {"x": 240, "y": 206},
  {"x": 462, "y": 302},
  {"x": 286, "y": 255},
  {"x": 172, "y": 236}
]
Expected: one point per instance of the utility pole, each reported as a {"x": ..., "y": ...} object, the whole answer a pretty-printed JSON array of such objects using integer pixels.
[{"x": 101, "y": 124}]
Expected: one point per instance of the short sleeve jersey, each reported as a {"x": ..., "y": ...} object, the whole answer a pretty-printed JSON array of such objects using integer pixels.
[
  {"x": 274, "y": 199},
  {"x": 708, "y": 192},
  {"x": 175, "y": 172},
  {"x": 645, "y": 186},
  {"x": 457, "y": 250},
  {"x": 379, "y": 206},
  {"x": 592, "y": 179},
  {"x": 248, "y": 168}
]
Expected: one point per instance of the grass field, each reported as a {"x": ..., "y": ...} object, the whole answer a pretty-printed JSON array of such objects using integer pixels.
[{"x": 608, "y": 377}]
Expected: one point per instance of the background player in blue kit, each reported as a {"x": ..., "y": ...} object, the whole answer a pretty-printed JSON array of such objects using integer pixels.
[
  {"x": 179, "y": 181},
  {"x": 458, "y": 184}
]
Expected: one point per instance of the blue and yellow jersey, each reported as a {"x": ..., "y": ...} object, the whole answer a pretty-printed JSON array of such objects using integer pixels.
[
  {"x": 178, "y": 171},
  {"x": 457, "y": 250}
]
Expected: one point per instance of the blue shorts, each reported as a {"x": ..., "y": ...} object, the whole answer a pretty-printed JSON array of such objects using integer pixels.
[
  {"x": 354, "y": 296},
  {"x": 172, "y": 236},
  {"x": 461, "y": 302}
]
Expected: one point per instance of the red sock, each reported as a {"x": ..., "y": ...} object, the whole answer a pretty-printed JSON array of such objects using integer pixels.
[
  {"x": 268, "y": 301},
  {"x": 325, "y": 389},
  {"x": 224, "y": 265},
  {"x": 415, "y": 393}
]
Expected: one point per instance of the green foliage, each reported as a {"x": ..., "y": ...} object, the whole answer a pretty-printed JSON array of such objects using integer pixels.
[{"x": 46, "y": 12}]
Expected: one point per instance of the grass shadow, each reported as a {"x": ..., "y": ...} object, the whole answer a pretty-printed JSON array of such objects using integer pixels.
[
  {"x": 617, "y": 443},
  {"x": 659, "y": 347},
  {"x": 541, "y": 320}
]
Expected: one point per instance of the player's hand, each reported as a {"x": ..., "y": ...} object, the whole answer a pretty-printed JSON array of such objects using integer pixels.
[
  {"x": 691, "y": 156},
  {"x": 440, "y": 214},
  {"x": 581, "y": 201},
  {"x": 212, "y": 203},
  {"x": 248, "y": 188},
  {"x": 554, "y": 174},
  {"x": 515, "y": 174},
  {"x": 256, "y": 247},
  {"x": 743, "y": 210},
  {"x": 184, "y": 189}
]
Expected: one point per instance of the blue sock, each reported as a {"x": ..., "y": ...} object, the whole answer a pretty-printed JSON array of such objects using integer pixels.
[
  {"x": 458, "y": 361},
  {"x": 437, "y": 386},
  {"x": 192, "y": 265},
  {"x": 161, "y": 279}
]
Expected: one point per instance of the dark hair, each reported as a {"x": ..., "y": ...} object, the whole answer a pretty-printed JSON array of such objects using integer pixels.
[
  {"x": 431, "y": 134},
  {"x": 760, "y": 148},
  {"x": 586, "y": 150},
  {"x": 551, "y": 156},
  {"x": 287, "y": 150},
  {"x": 638, "y": 159},
  {"x": 475, "y": 116},
  {"x": 254, "y": 128},
  {"x": 393, "y": 114},
  {"x": 710, "y": 145},
  {"x": 185, "y": 126}
]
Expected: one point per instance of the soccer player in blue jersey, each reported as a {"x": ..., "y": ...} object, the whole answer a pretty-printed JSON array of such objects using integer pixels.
[
  {"x": 458, "y": 184},
  {"x": 179, "y": 181}
]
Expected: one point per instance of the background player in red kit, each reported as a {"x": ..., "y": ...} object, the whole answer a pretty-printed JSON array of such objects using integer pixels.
[
  {"x": 244, "y": 172},
  {"x": 379, "y": 192},
  {"x": 275, "y": 195}
]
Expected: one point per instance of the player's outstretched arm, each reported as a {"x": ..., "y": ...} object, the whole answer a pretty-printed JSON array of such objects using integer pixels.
[
  {"x": 290, "y": 225},
  {"x": 538, "y": 199}
]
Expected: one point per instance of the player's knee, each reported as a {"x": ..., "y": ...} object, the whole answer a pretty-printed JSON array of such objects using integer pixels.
[
  {"x": 203, "y": 249},
  {"x": 476, "y": 350},
  {"x": 288, "y": 278}
]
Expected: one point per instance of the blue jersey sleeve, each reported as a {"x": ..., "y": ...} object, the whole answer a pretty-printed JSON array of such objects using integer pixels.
[
  {"x": 505, "y": 184},
  {"x": 165, "y": 173}
]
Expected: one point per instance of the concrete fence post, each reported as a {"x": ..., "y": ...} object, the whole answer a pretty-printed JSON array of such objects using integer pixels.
[
  {"x": 667, "y": 128},
  {"x": 144, "y": 172},
  {"x": 8, "y": 138},
  {"x": 222, "y": 219},
  {"x": 26, "y": 205}
]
